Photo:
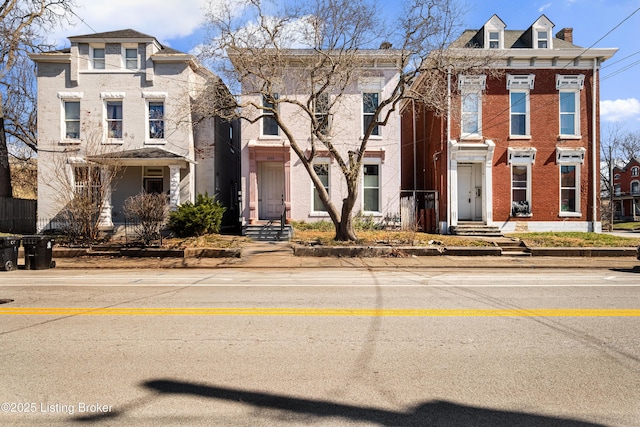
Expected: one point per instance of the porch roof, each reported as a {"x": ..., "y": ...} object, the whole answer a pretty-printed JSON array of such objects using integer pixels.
[{"x": 147, "y": 156}]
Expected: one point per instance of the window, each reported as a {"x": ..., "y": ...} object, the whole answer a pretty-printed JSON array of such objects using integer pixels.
[
  {"x": 114, "y": 119},
  {"x": 321, "y": 111},
  {"x": 519, "y": 113},
  {"x": 543, "y": 39},
  {"x": 371, "y": 188},
  {"x": 635, "y": 171},
  {"x": 471, "y": 114},
  {"x": 322, "y": 170},
  {"x": 569, "y": 193},
  {"x": 520, "y": 190},
  {"x": 131, "y": 58},
  {"x": 370, "y": 102},
  {"x": 153, "y": 180},
  {"x": 635, "y": 188},
  {"x": 72, "y": 119},
  {"x": 568, "y": 113},
  {"x": 156, "y": 120},
  {"x": 97, "y": 58},
  {"x": 617, "y": 190},
  {"x": 494, "y": 40},
  {"x": 269, "y": 123}
]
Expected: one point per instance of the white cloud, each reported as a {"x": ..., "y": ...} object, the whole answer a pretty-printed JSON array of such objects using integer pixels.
[
  {"x": 163, "y": 19},
  {"x": 542, "y": 8},
  {"x": 620, "y": 110}
]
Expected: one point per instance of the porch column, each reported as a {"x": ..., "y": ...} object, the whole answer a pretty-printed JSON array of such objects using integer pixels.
[
  {"x": 106, "y": 220},
  {"x": 174, "y": 187}
]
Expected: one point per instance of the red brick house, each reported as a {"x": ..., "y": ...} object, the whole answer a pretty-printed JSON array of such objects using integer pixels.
[
  {"x": 518, "y": 148},
  {"x": 626, "y": 191}
]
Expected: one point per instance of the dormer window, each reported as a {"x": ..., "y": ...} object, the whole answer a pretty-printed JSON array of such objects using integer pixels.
[
  {"x": 542, "y": 31},
  {"x": 493, "y": 33},
  {"x": 494, "y": 40},
  {"x": 543, "y": 39}
]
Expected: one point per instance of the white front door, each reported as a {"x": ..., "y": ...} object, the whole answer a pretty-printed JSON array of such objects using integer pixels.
[
  {"x": 270, "y": 190},
  {"x": 470, "y": 192},
  {"x": 465, "y": 188}
]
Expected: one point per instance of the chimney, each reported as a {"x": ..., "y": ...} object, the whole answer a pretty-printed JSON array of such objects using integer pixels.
[{"x": 566, "y": 34}]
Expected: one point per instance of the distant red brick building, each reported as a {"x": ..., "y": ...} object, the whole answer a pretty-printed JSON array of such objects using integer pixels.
[
  {"x": 516, "y": 151},
  {"x": 626, "y": 191}
]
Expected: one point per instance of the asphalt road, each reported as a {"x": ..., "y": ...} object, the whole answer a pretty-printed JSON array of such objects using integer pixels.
[{"x": 356, "y": 347}]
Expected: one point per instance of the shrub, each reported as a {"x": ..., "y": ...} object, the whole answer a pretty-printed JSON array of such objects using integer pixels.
[
  {"x": 195, "y": 219},
  {"x": 148, "y": 211}
]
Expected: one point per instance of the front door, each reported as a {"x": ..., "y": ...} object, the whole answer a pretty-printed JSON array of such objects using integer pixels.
[
  {"x": 465, "y": 187},
  {"x": 270, "y": 190},
  {"x": 469, "y": 192}
]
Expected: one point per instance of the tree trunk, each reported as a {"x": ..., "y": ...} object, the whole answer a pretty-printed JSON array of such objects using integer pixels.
[
  {"x": 344, "y": 228},
  {"x": 5, "y": 172}
]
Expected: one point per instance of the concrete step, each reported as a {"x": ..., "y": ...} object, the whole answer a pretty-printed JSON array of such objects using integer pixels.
[
  {"x": 475, "y": 230},
  {"x": 270, "y": 232}
]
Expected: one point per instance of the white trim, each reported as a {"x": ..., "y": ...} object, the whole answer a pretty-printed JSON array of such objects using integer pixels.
[
  {"x": 69, "y": 96},
  {"x": 321, "y": 161},
  {"x": 368, "y": 161},
  {"x": 522, "y": 156},
  {"x": 155, "y": 95},
  {"x": 521, "y": 81},
  {"x": 112, "y": 95},
  {"x": 577, "y": 187},
  {"x": 569, "y": 81},
  {"x": 570, "y": 155}
]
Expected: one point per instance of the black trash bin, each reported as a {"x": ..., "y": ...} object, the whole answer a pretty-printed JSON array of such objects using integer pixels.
[
  {"x": 38, "y": 251},
  {"x": 9, "y": 253}
]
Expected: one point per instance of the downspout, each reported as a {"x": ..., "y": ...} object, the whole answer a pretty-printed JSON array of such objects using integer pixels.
[
  {"x": 448, "y": 151},
  {"x": 415, "y": 163},
  {"x": 593, "y": 146}
]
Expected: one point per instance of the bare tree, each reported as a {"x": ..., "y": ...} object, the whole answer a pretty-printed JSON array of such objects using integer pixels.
[
  {"x": 318, "y": 51},
  {"x": 23, "y": 28},
  {"x": 618, "y": 147}
]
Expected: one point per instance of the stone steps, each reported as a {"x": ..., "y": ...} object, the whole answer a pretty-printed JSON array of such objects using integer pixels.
[{"x": 269, "y": 232}]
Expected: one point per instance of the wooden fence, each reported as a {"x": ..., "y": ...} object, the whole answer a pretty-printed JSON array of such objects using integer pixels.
[{"x": 17, "y": 215}]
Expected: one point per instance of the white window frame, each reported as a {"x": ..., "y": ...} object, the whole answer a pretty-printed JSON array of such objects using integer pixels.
[
  {"x": 575, "y": 113},
  {"x": 98, "y": 63},
  {"x": 377, "y": 132},
  {"x": 496, "y": 40},
  {"x": 126, "y": 60},
  {"x": 267, "y": 113},
  {"x": 520, "y": 83},
  {"x": 153, "y": 97},
  {"x": 570, "y": 157},
  {"x": 471, "y": 86},
  {"x": 64, "y": 98},
  {"x": 521, "y": 157},
  {"x": 576, "y": 189},
  {"x": 637, "y": 183},
  {"x": 540, "y": 38},
  {"x": 316, "y": 212},
  {"x": 566, "y": 84},
  {"x": 378, "y": 164},
  {"x": 108, "y": 97},
  {"x": 66, "y": 121},
  {"x": 635, "y": 171}
]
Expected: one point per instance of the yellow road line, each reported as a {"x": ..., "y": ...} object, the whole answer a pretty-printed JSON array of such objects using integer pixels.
[{"x": 330, "y": 312}]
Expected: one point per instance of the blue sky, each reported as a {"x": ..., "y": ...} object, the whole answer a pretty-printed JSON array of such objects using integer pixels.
[{"x": 178, "y": 24}]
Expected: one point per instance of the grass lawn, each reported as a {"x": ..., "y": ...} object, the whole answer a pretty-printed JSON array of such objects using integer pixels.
[
  {"x": 626, "y": 225},
  {"x": 576, "y": 240}
]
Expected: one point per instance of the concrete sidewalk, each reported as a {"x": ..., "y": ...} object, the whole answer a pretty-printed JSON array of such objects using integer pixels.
[{"x": 266, "y": 255}]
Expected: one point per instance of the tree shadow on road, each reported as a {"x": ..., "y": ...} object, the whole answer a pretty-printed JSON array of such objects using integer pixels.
[{"x": 433, "y": 413}]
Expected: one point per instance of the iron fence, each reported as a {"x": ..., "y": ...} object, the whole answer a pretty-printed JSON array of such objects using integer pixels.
[{"x": 17, "y": 216}]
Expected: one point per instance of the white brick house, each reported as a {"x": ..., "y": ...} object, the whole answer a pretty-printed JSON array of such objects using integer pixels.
[{"x": 122, "y": 97}]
